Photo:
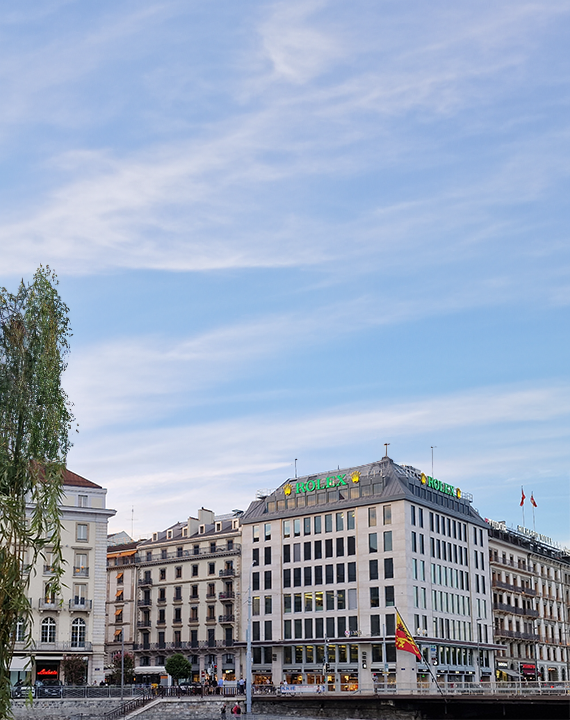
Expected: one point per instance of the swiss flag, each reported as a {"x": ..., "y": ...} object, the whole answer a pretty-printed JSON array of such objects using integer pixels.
[{"x": 523, "y": 498}]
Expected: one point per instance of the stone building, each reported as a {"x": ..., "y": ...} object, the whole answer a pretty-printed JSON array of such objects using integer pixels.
[
  {"x": 330, "y": 558},
  {"x": 531, "y": 583},
  {"x": 121, "y": 594},
  {"x": 188, "y": 597},
  {"x": 72, "y": 623}
]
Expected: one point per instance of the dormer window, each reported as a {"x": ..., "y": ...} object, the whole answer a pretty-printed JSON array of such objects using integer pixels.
[
  {"x": 235, "y": 524},
  {"x": 218, "y": 527},
  {"x": 169, "y": 534},
  {"x": 185, "y": 531},
  {"x": 154, "y": 536},
  {"x": 202, "y": 529}
]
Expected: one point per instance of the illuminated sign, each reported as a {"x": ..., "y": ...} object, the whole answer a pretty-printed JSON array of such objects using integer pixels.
[
  {"x": 440, "y": 486},
  {"x": 46, "y": 671},
  {"x": 328, "y": 483}
]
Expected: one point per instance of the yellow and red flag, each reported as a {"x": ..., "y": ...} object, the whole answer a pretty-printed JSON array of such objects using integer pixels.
[
  {"x": 404, "y": 641},
  {"x": 532, "y": 500}
]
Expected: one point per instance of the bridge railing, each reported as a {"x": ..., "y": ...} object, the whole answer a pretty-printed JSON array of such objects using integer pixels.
[{"x": 458, "y": 688}]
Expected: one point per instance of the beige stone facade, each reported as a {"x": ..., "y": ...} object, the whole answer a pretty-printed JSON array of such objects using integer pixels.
[{"x": 72, "y": 623}]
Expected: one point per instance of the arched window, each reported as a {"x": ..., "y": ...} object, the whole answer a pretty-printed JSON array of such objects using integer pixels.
[
  {"x": 78, "y": 633},
  {"x": 48, "y": 630}
]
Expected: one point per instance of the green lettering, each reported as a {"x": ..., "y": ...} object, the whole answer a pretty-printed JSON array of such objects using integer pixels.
[
  {"x": 300, "y": 487},
  {"x": 331, "y": 482},
  {"x": 309, "y": 484},
  {"x": 341, "y": 480},
  {"x": 319, "y": 486}
]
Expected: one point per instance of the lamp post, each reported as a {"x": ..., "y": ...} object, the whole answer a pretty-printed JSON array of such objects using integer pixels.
[
  {"x": 478, "y": 658},
  {"x": 248, "y": 659},
  {"x": 122, "y": 664}
]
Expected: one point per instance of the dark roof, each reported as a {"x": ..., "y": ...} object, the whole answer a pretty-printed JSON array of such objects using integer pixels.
[
  {"x": 210, "y": 531},
  {"x": 75, "y": 480},
  {"x": 379, "y": 481}
]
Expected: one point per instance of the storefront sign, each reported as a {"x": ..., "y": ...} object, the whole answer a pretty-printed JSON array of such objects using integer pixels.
[
  {"x": 295, "y": 689},
  {"x": 440, "y": 486},
  {"x": 328, "y": 483},
  {"x": 45, "y": 672}
]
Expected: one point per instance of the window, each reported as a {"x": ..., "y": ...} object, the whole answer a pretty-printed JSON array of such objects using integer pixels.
[
  {"x": 83, "y": 501},
  {"x": 255, "y": 581},
  {"x": 351, "y": 545},
  {"x": 255, "y": 532},
  {"x": 178, "y": 592},
  {"x": 297, "y": 552},
  {"x": 413, "y": 514},
  {"x": 297, "y": 527},
  {"x": 307, "y": 575},
  {"x": 286, "y": 528},
  {"x": 307, "y": 526},
  {"x": 307, "y": 551},
  {"x": 287, "y": 578},
  {"x": 372, "y": 517},
  {"x": 267, "y": 531},
  {"x": 340, "y": 521},
  {"x": 164, "y": 553},
  {"x": 297, "y": 577},
  {"x": 255, "y": 557},
  {"x": 350, "y": 520},
  {"x": 388, "y": 541},
  {"x": 286, "y": 553},
  {"x": 178, "y": 572},
  {"x": 255, "y": 627},
  {"x": 340, "y": 573},
  {"x": 318, "y": 574},
  {"x": 351, "y": 572},
  {"x": 329, "y": 574},
  {"x": 268, "y": 630},
  {"x": 328, "y": 548},
  {"x": 373, "y": 569},
  {"x": 255, "y": 605},
  {"x": 211, "y": 568},
  {"x": 339, "y": 546},
  {"x": 372, "y": 542},
  {"x": 162, "y": 573},
  {"x": 161, "y": 595},
  {"x": 82, "y": 532},
  {"x": 328, "y": 523},
  {"x": 388, "y": 568},
  {"x": 317, "y": 524},
  {"x": 414, "y": 541},
  {"x": 268, "y": 605},
  {"x": 374, "y": 597},
  {"x": 81, "y": 567},
  {"x": 78, "y": 633},
  {"x": 267, "y": 580},
  {"x": 389, "y": 595},
  {"x": 194, "y": 571},
  {"x": 48, "y": 630},
  {"x": 267, "y": 555}
]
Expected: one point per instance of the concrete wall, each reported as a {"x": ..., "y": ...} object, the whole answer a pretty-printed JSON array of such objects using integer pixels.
[{"x": 72, "y": 709}]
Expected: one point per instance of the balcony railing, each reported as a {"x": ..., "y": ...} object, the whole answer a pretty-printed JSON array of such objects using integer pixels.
[
  {"x": 185, "y": 645},
  {"x": 49, "y": 569},
  {"x": 228, "y": 595},
  {"x": 144, "y": 623},
  {"x": 81, "y": 645},
  {"x": 145, "y": 581},
  {"x": 80, "y": 571},
  {"x": 144, "y": 602},
  {"x": 53, "y": 604},
  {"x": 228, "y": 572},
  {"x": 226, "y": 619},
  {"x": 231, "y": 549},
  {"x": 505, "y": 607},
  {"x": 80, "y": 604},
  {"x": 516, "y": 635}
]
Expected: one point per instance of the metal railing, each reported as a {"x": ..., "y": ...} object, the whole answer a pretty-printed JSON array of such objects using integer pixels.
[
  {"x": 50, "y": 603},
  {"x": 128, "y": 707},
  {"x": 515, "y": 634},
  {"x": 521, "y": 687},
  {"x": 234, "y": 548},
  {"x": 80, "y": 571},
  {"x": 81, "y": 604},
  {"x": 505, "y": 607}
]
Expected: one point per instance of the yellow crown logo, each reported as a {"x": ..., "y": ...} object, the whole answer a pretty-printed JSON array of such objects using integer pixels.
[
  {"x": 355, "y": 477},
  {"x": 423, "y": 479},
  {"x": 287, "y": 489}
]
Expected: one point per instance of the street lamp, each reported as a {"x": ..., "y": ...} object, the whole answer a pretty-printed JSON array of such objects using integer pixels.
[{"x": 478, "y": 658}]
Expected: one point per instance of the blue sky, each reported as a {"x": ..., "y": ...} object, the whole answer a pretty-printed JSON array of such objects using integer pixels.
[{"x": 299, "y": 230}]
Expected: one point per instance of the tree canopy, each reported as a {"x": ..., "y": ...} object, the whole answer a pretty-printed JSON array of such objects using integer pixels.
[
  {"x": 178, "y": 667},
  {"x": 35, "y": 422}
]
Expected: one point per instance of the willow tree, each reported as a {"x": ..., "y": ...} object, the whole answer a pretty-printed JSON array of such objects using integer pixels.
[{"x": 35, "y": 423}]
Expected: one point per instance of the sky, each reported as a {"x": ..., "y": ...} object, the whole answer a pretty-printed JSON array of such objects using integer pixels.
[{"x": 298, "y": 230}]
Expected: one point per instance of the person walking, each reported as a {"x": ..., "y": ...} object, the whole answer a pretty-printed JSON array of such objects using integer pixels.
[{"x": 236, "y": 710}]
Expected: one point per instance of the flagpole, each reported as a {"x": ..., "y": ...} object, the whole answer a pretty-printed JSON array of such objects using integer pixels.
[
  {"x": 522, "y": 503},
  {"x": 427, "y": 663},
  {"x": 533, "y": 506}
]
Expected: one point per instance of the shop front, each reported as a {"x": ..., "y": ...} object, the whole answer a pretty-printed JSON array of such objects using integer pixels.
[
  {"x": 528, "y": 671},
  {"x": 48, "y": 669}
]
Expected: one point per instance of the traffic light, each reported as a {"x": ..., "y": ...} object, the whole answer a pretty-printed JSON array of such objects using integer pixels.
[{"x": 364, "y": 664}]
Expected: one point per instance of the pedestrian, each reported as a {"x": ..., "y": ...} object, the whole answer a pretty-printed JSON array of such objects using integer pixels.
[
  {"x": 223, "y": 712},
  {"x": 236, "y": 710}
]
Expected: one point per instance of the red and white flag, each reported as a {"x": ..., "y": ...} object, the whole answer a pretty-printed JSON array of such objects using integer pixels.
[
  {"x": 523, "y": 498},
  {"x": 533, "y": 501}
]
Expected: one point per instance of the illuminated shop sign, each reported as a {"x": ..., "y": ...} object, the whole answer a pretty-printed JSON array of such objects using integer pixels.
[
  {"x": 441, "y": 487},
  {"x": 46, "y": 672},
  {"x": 323, "y": 483}
]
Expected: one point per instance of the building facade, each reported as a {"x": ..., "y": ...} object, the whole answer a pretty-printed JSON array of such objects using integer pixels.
[
  {"x": 331, "y": 558},
  {"x": 188, "y": 597},
  {"x": 72, "y": 623},
  {"x": 531, "y": 585},
  {"x": 121, "y": 595}
]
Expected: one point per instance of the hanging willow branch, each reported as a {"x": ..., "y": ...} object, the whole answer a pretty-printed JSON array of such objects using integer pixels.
[{"x": 35, "y": 420}]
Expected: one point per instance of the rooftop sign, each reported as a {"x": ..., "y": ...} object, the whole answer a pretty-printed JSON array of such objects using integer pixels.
[
  {"x": 328, "y": 483},
  {"x": 440, "y": 486}
]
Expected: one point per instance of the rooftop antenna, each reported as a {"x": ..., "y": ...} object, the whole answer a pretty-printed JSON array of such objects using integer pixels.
[
  {"x": 133, "y": 522},
  {"x": 432, "y": 449},
  {"x": 295, "y": 468},
  {"x": 386, "y": 446}
]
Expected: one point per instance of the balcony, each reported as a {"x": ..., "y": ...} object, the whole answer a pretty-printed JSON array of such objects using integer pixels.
[
  {"x": 80, "y": 571},
  {"x": 144, "y": 602},
  {"x": 228, "y": 572},
  {"x": 505, "y": 607},
  {"x": 144, "y": 623},
  {"x": 515, "y": 635},
  {"x": 219, "y": 550},
  {"x": 193, "y": 621},
  {"x": 80, "y": 605},
  {"x": 211, "y": 595},
  {"x": 210, "y": 620},
  {"x": 177, "y": 599},
  {"x": 226, "y": 619},
  {"x": 49, "y": 569},
  {"x": 228, "y": 595},
  {"x": 145, "y": 582},
  {"x": 506, "y": 586},
  {"x": 81, "y": 646},
  {"x": 52, "y": 604}
]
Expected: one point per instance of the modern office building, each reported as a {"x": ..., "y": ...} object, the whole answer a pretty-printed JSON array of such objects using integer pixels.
[
  {"x": 72, "y": 623},
  {"x": 531, "y": 585},
  {"x": 121, "y": 594},
  {"x": 330, "y": 558},
  {"x": 187, "y": 597}
]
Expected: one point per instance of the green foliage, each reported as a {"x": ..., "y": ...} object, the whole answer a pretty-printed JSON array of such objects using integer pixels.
[
  {"x": 178, "y": 667},
  {"x": 35, "y": 420},
  {"x": 114, "y": 677},
  {"x": 74, "y": 668}
]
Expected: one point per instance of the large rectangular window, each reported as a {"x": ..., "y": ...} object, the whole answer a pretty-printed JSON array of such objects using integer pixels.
[
  {"x": 389, "y": 595},
  {"x": 387, "y": 514},
  {"x": 328, "y": 523},
  {"x": 372, "y": 517},
  {"x": 388, "y": 541},
  {"x": 372, "y": 542},
  {"x": 374, "y": 597},
  {"x": 388, "y": 568},
  {"x": 318, "y": 549},
  {"x": 373, "y": 569}
]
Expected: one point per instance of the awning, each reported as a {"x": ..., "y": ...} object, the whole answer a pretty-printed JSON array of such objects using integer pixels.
[
  {"x": 510, "y": 673},
  {"x": 48, "y": 657},
  {"x": 19, "y": 663},
  {"x": 150, "y": 670}
]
